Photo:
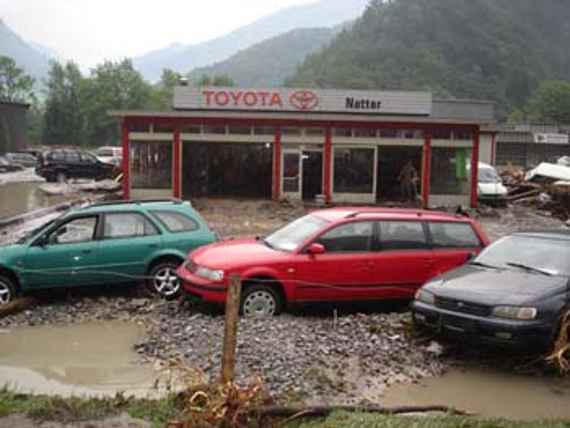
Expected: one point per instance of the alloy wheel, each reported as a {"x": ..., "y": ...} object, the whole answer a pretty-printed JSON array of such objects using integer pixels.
[
  {"x": 5, "y": 293},
  {"x": 166, "y": 282},
  {"x": 260, "y": 303}
]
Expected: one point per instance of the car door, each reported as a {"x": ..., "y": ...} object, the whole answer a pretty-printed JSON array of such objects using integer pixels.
[
  {"x": 128, "y": 241},
  {"x": 66, "y": 256},
  {"x": 403, "y": 260},
  {"x": 344, "y": 271},
  {"x": 453, "y": 244}
]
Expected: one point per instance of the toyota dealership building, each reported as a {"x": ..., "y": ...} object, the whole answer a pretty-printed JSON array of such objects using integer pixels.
[{"x": 340, "y": 146}]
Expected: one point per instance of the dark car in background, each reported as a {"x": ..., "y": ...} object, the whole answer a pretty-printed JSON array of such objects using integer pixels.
[
  {"x": 514, "y": 293},
  {"x": 26, "y": 160},
  {"x": 59, "y": 165}
]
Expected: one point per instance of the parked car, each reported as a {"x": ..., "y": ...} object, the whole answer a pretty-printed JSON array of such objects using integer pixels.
[
  {"x": 490, "y": 187},
  {"x": 7, "y": 166},
  {"x": 513, "y": 293},
  {"x": 106, "y": 243},
  {"x": 341, "y": 254},
  {"x": 110, "y": 154},
  {"x": 59, "y": 165},
  {"x": 23, "y": 159}
]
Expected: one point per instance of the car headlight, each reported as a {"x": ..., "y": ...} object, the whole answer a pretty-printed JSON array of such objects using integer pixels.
[
  {"x": 211, "y": 274},
  {"x": 425, "y": 297},
  {"x": 515, "y": 313}
]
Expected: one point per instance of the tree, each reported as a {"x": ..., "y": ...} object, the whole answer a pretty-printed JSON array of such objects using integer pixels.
[
  {"x": 113, "y": 86},
  {"x": 163, "y": 91},
  {"x": 15, "y": 85},
  {"x": 217, "y": 80},
  {"x": 550, "y": 103},
  {"x": 64, "y": 119}
]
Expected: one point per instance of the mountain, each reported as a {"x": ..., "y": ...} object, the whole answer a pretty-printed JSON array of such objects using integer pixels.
[
  {"x": 487, "y": 49},
  {"x": 34, "y": 61},
  {"x": 250, "y": 68},
  {"x": 184, "y": 58}
]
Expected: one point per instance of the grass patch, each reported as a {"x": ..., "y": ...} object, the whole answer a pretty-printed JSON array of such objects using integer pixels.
[
  {"x": 67, "y": 410},
  {"x": 362, "y": 420}
]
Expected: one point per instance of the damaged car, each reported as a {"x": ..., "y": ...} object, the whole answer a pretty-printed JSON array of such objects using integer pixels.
[
  {"x": 514, "y": 293},
  {"x": 109, "y": 243}
]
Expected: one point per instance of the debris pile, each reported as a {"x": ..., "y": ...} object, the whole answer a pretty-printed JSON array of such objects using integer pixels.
[{"x": 546, "y": 187}]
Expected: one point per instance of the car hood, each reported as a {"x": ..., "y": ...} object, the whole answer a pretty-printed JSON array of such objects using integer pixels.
[
  {"x": 233, "y": 254},
  {"x": 496, "y": 286},
  {"x": 492, "y": 189}
]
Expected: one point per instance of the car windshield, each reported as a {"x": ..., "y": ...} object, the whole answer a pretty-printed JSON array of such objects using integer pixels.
[
  {"x": 488, "y": 175},
  {"x": 30, "y": 234},
  {"x": 542, "y": 255},
  {"x": 292, "y": 236}
]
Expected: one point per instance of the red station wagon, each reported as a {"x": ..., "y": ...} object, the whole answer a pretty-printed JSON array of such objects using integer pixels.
[{"x": 339, "y": 254}]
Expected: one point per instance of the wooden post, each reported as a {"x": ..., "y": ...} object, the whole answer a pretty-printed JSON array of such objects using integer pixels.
[{"x": 231, "y": 327}]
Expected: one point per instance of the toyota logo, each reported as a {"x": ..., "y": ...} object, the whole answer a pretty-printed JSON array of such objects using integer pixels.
[{"x": 304, "y": 100}]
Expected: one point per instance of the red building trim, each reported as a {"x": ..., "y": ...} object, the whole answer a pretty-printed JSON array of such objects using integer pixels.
[
  {"x": 426, "y": 170},
  {"x": 277, "y": 165},
  {"x": 126, "y": 166},
  {"x": 475, "y": 168},
  {"x": 176, "y": 165},
  {"x": 327, "y": 166}
]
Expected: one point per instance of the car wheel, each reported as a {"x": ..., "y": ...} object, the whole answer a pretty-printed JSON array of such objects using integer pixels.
[
  {"x": 164, "y": 281},
  {"x": 7, "y": 291},
  {"x": 261, "y": 301},
  {"x": 61, "y": 177}
]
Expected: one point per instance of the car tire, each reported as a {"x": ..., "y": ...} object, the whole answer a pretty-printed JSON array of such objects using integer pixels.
[
  {"x": 163, "y": 280},
  {"x": 7, "y": 290},
  {"x": 261, "y": 301}
]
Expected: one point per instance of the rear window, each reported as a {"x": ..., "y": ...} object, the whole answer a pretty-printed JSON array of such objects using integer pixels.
[
  {"x": 402, "y": 235},
  {"x": 175, "y": 221},
  {"x": 453, "y": 235}
]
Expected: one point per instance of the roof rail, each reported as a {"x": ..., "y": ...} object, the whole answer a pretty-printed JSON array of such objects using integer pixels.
[
  {"x": 355, "y": 214},
  {"x": 136, "y": 202}
]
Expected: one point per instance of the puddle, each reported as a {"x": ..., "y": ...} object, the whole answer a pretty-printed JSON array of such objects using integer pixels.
[
  {"x": 489, "y": 393},
  {"x": 20, "y": 198},
  {"x": 89, "y": 359}
]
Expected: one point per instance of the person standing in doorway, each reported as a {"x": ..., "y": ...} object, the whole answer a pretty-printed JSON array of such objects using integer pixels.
[{"x": 408, "y": 178}]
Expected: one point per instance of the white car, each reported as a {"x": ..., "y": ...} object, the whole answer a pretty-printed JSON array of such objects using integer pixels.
[
  {"x": 110, "y": 154},
  {"x": 490, "y": 187}
]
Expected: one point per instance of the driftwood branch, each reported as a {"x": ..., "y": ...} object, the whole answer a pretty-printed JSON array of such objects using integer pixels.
[
  {"x": 16, "y": 306},
  {"x": 323, "y": 411}
]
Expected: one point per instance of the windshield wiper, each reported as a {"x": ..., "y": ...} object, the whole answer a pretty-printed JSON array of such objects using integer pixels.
[
  {"x": 485, "y": 265},
  {"x": 529, "y": 268}
]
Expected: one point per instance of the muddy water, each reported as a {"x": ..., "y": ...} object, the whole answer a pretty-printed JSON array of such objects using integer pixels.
[
  {"x": 19, "y": 198},
  {"x": 89, "y": 359},
  {"x": 489, "y": 393}
]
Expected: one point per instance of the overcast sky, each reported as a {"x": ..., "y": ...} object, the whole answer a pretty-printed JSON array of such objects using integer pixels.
[{"x": 89, "y": 31}]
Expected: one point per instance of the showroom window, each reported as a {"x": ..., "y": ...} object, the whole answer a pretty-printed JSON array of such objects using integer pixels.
[
  {"x": 354, "y": 170},
  {"x": 450, "y": 171}
]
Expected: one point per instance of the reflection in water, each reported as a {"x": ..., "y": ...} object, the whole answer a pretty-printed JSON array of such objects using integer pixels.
[
  {"x": 490, "y": 393},
  {"x": 19, "y": 198},
  {"x": 81, "y": 359}
]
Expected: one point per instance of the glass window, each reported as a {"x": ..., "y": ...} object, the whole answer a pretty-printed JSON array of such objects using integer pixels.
[
  {"x": 72, "y": 157},
  {"x": 462, "y": 135},
  {"x": 264, "y": 130},
  {"x": 314, "y": 132},
  {"x": 87, "y": 158},
  {"x": 219, "y": 130},
  {"x": 365, "y": 133},
  {"x": 441, "y": 134},
  {"x": 291, "y": 173},
  {"x": 175, "y": 222},
  {"x": 163, "y": 128},
  {"x": 151, "y": 165},
  {"x": 290, "y": 237},
  {"x": 56, "y": 156},
  {"x": 343, "y": 132},
  {"x": 389, "y": 133},
  {"x": 139, "y": 127},
  {"x": 240, "y": 130},
  {"x": 127, "y": 225},
  {"x": 291, "y": 131},
  {"x": 353, "y": 170},
  {"x": 453, "y": 235},
  {"x": 75, "y": 231},
  {"x": 191, "y": 129},
  {"x": 450, "y": 171},
  {"x": 347, "y": 238},
  {"x": 402, "y": 235}
]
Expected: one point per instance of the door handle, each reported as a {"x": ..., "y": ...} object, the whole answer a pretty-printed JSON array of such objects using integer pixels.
[
  {"x": 153, "y": 245},
  {"x": 86, "y": 251}
]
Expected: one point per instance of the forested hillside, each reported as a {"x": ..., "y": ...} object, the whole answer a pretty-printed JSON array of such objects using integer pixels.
[
  {"x": 491, "y": 49},
  {"x": 269, "y": 63}
]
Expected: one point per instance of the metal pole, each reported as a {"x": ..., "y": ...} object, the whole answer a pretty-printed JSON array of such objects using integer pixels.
[{"x": 231, "y": 326}]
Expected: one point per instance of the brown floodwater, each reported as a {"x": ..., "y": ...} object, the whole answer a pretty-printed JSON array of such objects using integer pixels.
[
  {"x": 20, "y": 198},
  {"x": 88, "y": 359},
  {"x": 489, "y": 393}
]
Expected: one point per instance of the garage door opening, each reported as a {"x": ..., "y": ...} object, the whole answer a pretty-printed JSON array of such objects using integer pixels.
[
  {"x": 312, "y": 175},
  {"x": 399, "y": 174},
  {"x": 227, "y": 170}
]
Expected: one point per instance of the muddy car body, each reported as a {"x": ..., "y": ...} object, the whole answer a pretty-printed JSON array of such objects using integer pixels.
[
  {"x": 513, "y": 294},
  {"x": 343, "y": 254}
]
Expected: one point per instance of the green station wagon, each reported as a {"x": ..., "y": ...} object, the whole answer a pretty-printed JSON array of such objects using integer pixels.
[{"x": 105, "y": 243}]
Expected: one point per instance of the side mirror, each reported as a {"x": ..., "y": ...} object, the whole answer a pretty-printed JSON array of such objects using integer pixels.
[
  {"x": 42, "y": 241},
  {"x": 315, "y": 249},
  {"x": 471, "y": 256}
]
